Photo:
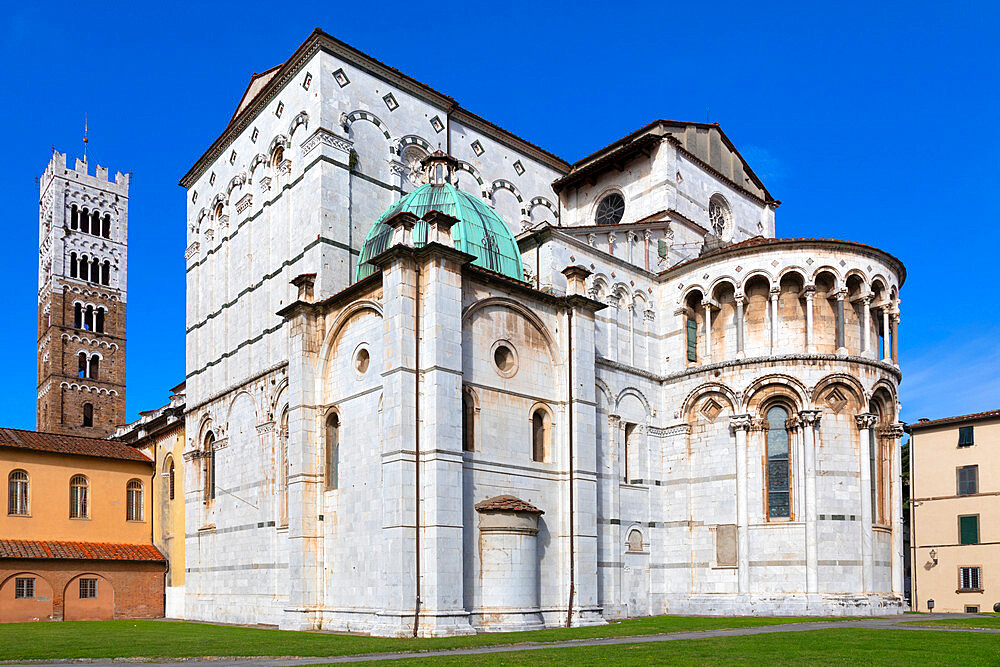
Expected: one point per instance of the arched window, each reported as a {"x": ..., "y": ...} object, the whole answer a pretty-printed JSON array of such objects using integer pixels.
[
  {"x": 95, "y": 367},
  {"x": 277, "y": 157},
  {"x": 79, "y": 503},
  {"x": 17, "y": 493},
  {"x": 876, "y": 462},
  {"x": 81, "y": 360},
  {"x": 106, "y": 227},
  {"x": 88, "y": 414},
  {"x": 468, "y": 423},
  {"x": 631, "y": 438},
  {"x": 84, "y": 268},
  {"x": 88, "y": 319},
  {"x": 779, "y": 504},
  {"x": 634, "y": 541},
  {"x": 332, "y": 450},
  {"x": 133, "y": 501},
  {"x": 541, "y": 434},
  {"x": 85, "y": 221},
  {"x": 106, "y": 273},
  {"x": 283, "y": 469},
  {"x": 72, "y": 265},
  {"x": 78, "y": 315},
  {"x": 208, "y": 456},
  {"x": 95, "y": 270},
  {"x": 99, "y": 324},
  {"x": 171, "y": 477},
  {"x": 218, "y": 211},
  {"x": 74, "y": 217}
]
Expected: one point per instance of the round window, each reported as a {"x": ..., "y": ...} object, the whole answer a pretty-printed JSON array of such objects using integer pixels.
[
  {"x": 720, "y": 218},
  {"x": 505, "y": 359},
  {"x": 361, "y": 361},
  {"x": 611, "y": 209}
]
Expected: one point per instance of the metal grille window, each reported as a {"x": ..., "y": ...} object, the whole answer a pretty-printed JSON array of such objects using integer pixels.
[
  {"x": 968, "y": 529},
  {"x": 611, "y": 209},
  {"x": 79, "y": 507},
  {"x": 970, "y": 579},
  {"x": 88, "y": 589},
  {"x": 968, "y": 480},
  {"x": 24, "y": 588},
  {"x": 778, "y": 487},
  {"x": 965, "y": 436},
  {"x": 133, "y": 501},
  {"x": 17, "y": 493}
]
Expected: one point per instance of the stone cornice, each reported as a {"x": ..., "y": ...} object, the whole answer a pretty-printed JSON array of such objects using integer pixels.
[{"x": 749, "y": 361}]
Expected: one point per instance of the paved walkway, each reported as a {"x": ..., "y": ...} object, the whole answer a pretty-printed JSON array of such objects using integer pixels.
[{"x": 894, "y": 622}]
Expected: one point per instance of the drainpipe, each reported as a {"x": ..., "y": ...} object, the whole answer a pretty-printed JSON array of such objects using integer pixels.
[
  {"x": 416, "y": 441},
  {"x": 572, "y": 537},
  {"x": 913, "y": 530}
]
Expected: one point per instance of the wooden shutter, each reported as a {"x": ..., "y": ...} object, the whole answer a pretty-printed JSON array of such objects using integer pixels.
[
  {"x": 965, "y": 438},
  {"x": 661, "y": 248},
  {"x": 968, "y": 529},
  {"x": 692, "y": 340}
]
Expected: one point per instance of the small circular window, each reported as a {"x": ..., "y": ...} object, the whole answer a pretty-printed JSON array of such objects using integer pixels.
[
  {"x": 361, "y": 361},
  {"x": 611, "y": 209},
  {"x": 504, "y": 358}
]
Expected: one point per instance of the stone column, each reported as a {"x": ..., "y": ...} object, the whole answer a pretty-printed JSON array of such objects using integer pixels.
[
  {"x": 740, "y": 299},
  {"x": 708, "y": 332},
  {"x": 651, "y": 344},
  {"x": 895, "y": 338},
  {"x": 865, "y": 319},
  {"x": 740, "y": 425},
  {"x": 841, "y": 337},
  {"x": 631, "y": 333},
  {"x": 810, "y": 291},
  {"x": 613, "y": 582},
  {"x": 810, "y": 423},
  {"x": 893, "y": 434},
  {"x": 864, "y": 423},
  {"x": 886, "y": 345},
  {"x": 774, "y": 319}
]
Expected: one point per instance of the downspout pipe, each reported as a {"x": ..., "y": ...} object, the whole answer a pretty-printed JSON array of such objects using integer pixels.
[{"x": 416, "y": 445}]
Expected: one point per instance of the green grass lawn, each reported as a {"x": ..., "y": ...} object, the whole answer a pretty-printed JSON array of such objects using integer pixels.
[
  {"x": 816, "y": 647},
  {"x": 980, "y": 621},
  {"x": 162, "y": 639}
]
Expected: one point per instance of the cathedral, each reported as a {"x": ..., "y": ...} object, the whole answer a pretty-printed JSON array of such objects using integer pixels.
[{"x": 440, "y": 381}]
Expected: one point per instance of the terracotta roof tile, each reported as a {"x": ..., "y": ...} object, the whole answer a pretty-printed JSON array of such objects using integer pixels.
[
  {"x": 69, "y": 444},
  {"x": 954, "y": 420},
  {"x": 78, "y": 550},
  {"x": 507, "y": 504}
]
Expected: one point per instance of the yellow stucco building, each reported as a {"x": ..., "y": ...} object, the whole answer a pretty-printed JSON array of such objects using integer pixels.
[
  {"x": 159, "y": 434},
  {"x": 954, "y": 501}
]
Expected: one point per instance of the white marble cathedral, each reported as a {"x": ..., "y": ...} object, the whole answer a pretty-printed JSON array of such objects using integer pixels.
[{"x": 441, "y": 381}]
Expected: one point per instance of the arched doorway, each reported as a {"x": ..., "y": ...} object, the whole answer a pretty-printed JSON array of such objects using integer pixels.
[{"x": 88, "y": 597}]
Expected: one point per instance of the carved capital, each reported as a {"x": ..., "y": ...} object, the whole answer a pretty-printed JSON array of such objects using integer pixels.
[
  {"x": 592, "y": 240},
  {"x": 891, "y": 431},
  {"x": 810, "y": 417},
  {"x": 614, "y": 420},
  {"x": 740, "y": 422},
  {"x": 865, "y": 420},
  {"x": 612, "y": 238}
]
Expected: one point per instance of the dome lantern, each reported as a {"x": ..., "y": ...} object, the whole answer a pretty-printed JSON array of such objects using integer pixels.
[{"x": 439, "y": 167}]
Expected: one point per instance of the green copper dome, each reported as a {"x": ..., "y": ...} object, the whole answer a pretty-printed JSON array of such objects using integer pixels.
[{"x": 480, "y": 231}]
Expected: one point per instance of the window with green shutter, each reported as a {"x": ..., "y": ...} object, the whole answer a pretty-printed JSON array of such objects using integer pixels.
[
  {"x": 661, "y": 248},
  {"x": 692, "y": 340},
  {"x": 968, "y": 529},
  {"x": 965, "y": 436}
]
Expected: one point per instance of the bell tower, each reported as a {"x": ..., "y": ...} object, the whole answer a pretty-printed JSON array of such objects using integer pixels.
[{"x": 82, "y": 250}]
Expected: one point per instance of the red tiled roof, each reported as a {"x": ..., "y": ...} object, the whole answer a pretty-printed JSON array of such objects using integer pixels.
[
  {"x": 954, "y": 420},
  {"x": 69, "y": 444},
  {"x": 507, "y": 504},
  {"x": 78, "y": 550}
]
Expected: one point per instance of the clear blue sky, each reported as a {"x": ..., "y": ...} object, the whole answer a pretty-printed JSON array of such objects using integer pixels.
[{"x": 873, "y": 122}]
